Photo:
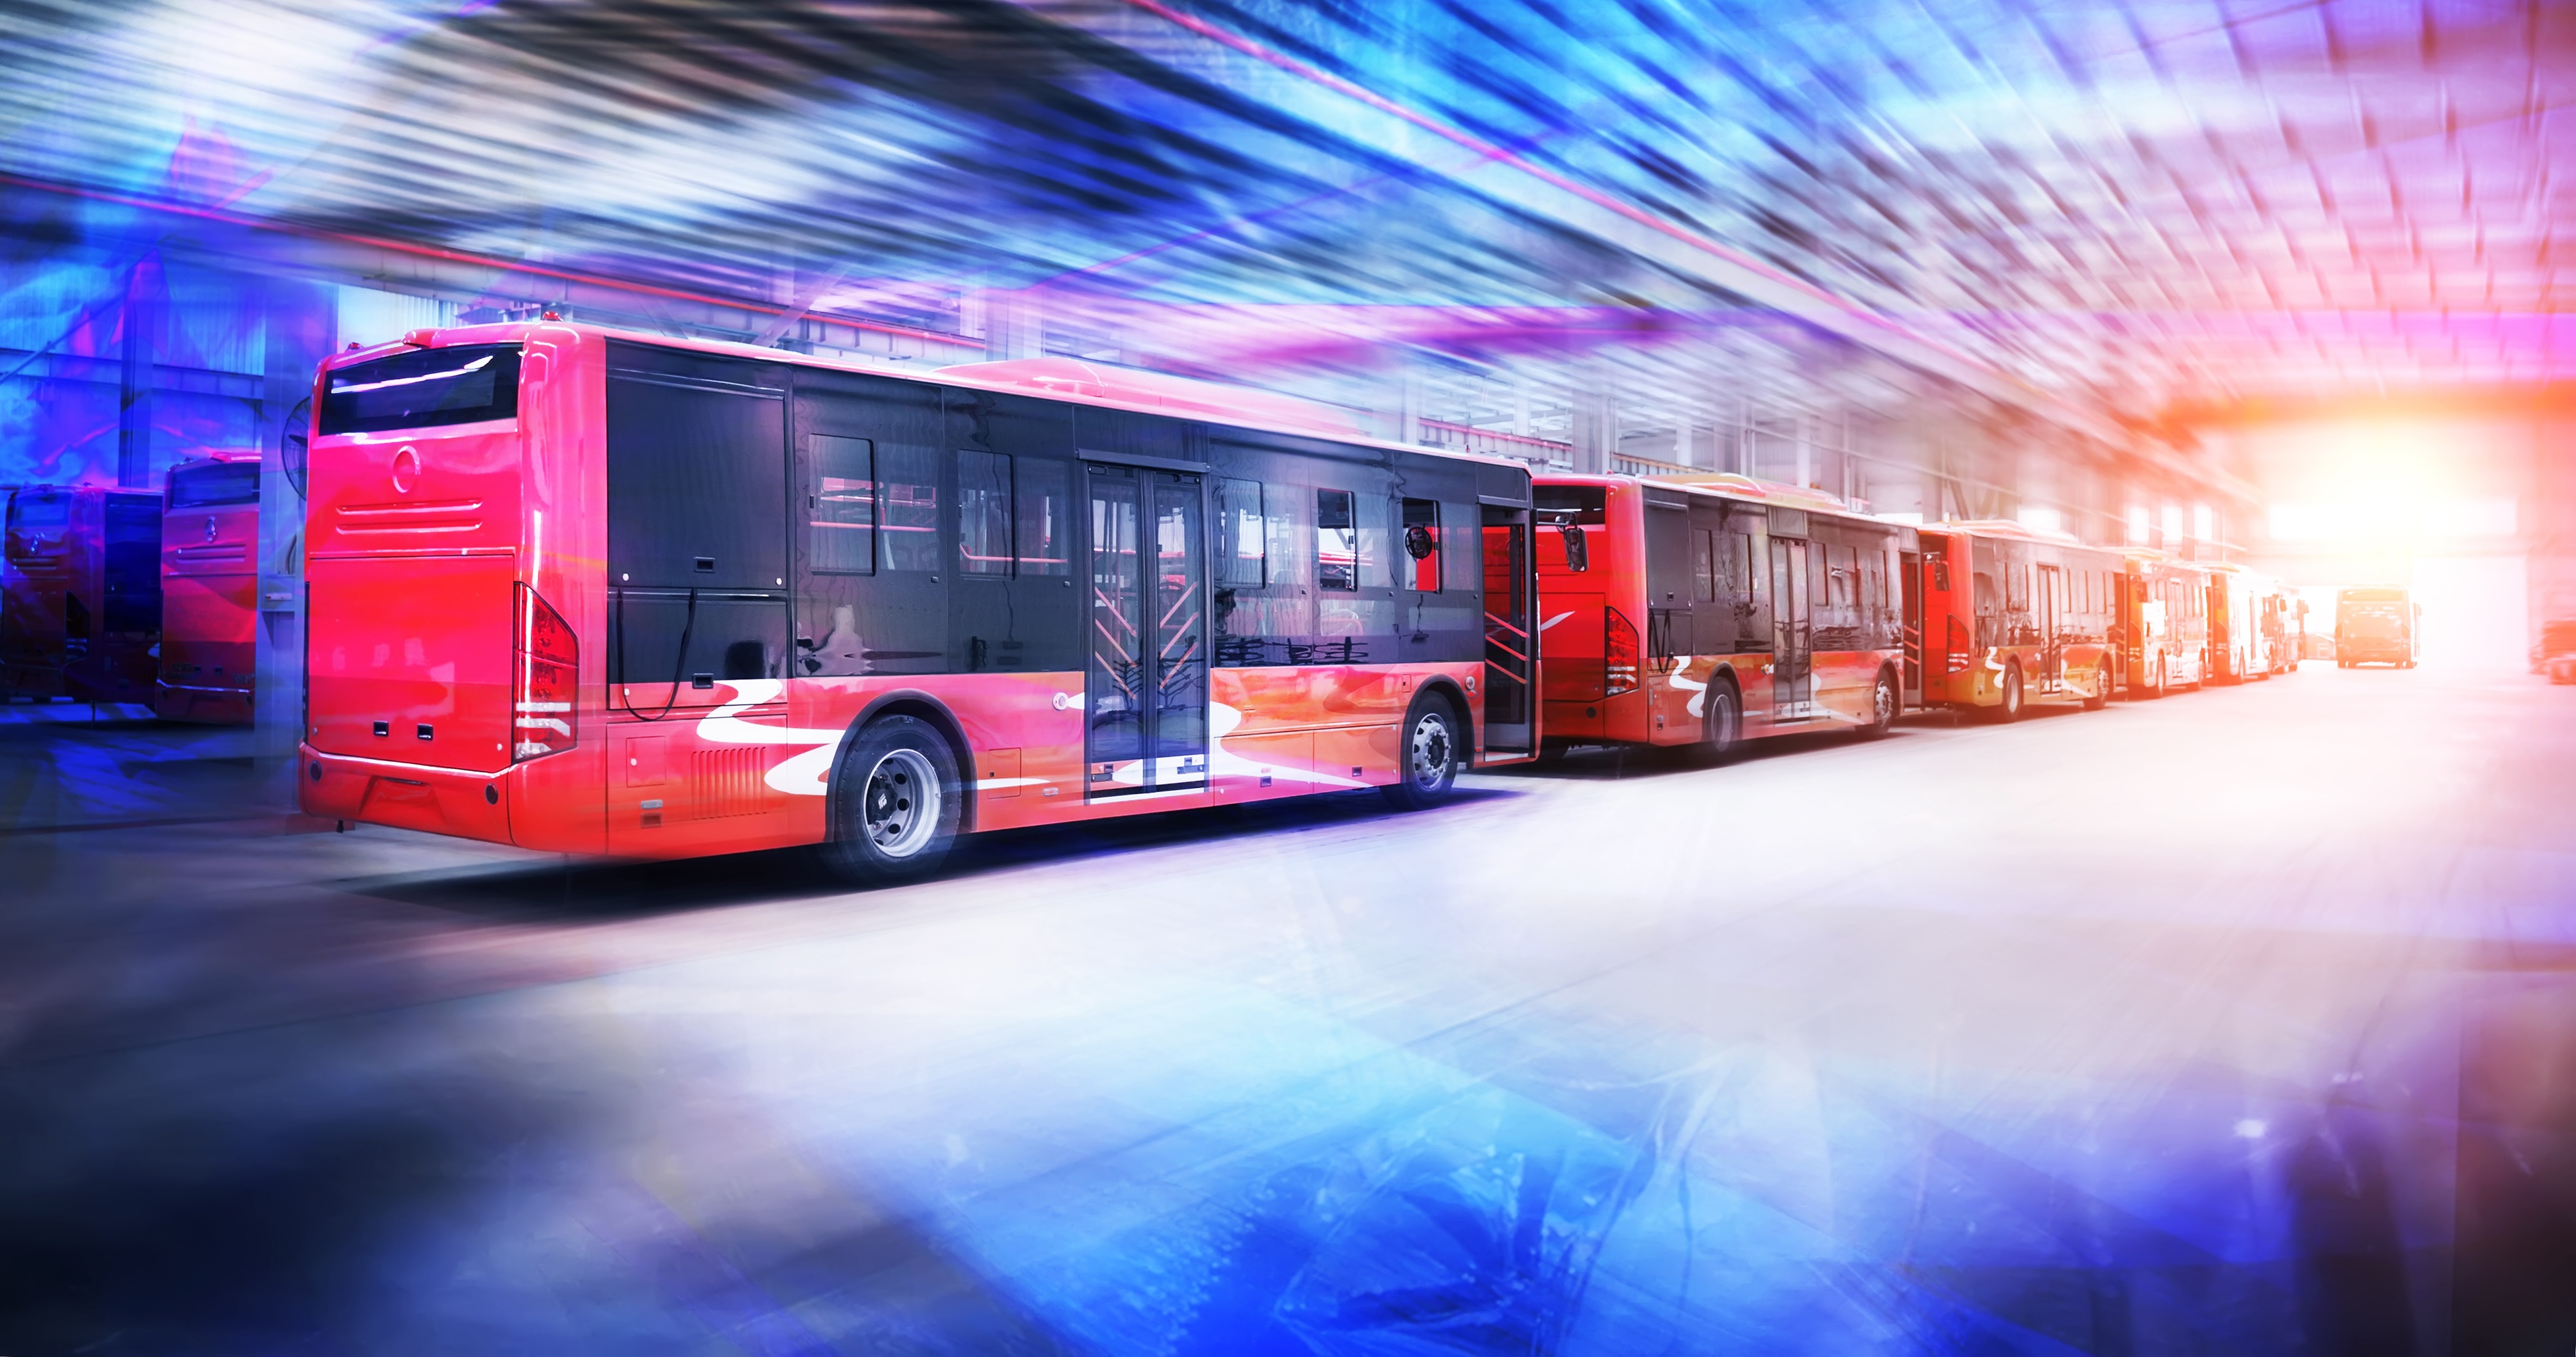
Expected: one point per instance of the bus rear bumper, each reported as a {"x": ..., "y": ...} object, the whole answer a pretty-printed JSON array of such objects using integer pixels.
[{"x": 468, "y": 805}]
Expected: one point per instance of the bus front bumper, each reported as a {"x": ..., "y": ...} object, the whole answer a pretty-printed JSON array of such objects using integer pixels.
[{"x": 467, "y": 804}]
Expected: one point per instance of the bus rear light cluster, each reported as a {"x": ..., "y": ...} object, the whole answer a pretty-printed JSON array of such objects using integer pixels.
[
  {"x": 1956, "y": 660},
  {"x": 1619, "y": 653},
  {"x": 541, "y": 695}
]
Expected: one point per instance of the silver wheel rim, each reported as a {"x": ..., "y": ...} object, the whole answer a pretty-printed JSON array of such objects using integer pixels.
[
  {"x": 1883, "y": 702},
  {"x": 1430, "y": 752},
  {"x": 1724, "y": 724},
  {"x": 899, "y": 806}
]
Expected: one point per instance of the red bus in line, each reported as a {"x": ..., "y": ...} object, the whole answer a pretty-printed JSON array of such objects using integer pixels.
[
  {"x": 2163, "y": 622},
  {"x": 1708, "y": 611},
  {"x": 82, "y": 607},
  {"x": 2013, "y": 615},
  {"x": 594, "y": 592},
  {"x": 209, "y": 583}
]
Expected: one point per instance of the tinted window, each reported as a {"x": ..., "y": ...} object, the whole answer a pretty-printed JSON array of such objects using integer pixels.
[
  {"x": 1570, "y": 503},
  {"x": 1336, "y": 542},
  {"x": 983, "y": 513},
  {"x": 423, "y": 388},
  {"x": 841, "y": 514},
  {"x": 1044, "y": 493},
  {"x": 697, "y": 484},
  {"x": 200, "y": 487},
  {"x": 908, "y": 507},
  {"x": 1242, "y": 539},
  {"x": 1421, "y": 545},
  {"x": 33, "y": 511}
]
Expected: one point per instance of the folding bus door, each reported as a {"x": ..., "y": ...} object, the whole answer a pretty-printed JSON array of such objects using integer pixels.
[
  {"x": 1145, "y": 678},
  {"x": 1511, "y": 648},
  {"x": 1792, "y": 665},
  {"x": 2052, "y": 626}
]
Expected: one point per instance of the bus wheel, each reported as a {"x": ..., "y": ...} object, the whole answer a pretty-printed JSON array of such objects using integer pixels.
[
  {"x": 2101, "y": 689},
  {"x": 2010, "y": 709},
  {"x": 1722, "y": 730},
  {"x": 1882, "y": 707},
  {"x": 899, "y": 804},
  {"x": 1433, "y": 748}
]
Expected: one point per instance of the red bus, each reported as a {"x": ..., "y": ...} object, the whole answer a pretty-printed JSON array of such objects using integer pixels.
[
  {"x": 209, "y": 580},
  {"x": 2376, "y": 625},
  {"x": 1708, "y": 611},
  {"x": 2013, "y": 615},
  {"x": 601, "y": 593},
  {"x": 82, "y": 607},
  {"x": 2164, "y": 622}
]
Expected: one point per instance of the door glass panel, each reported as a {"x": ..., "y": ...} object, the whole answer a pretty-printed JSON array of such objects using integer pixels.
[
  {"x": 1114, "y": 738},
  {"x": 1180, "y": 634},
  {"x": 1791, "y": 689}
]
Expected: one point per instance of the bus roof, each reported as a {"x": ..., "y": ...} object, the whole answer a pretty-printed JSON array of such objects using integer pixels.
[
  {"x": 2006, "y": 527},
  {"x": 1071, "y": 380}
]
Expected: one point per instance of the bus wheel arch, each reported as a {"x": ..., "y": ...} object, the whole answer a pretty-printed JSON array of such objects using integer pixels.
[
  {"x": 1433, "y": 719},
  {"x": 1887, "y": 702},
  {"x": 1722, "y": 718},
  {"x": 923, "y": 709},
  {"x": 1460, "y": 711},
  {"x": 2010, "y": 695}
]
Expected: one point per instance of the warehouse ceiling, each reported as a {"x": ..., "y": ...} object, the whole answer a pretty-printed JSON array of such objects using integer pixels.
[{"x": 2105, "y": 208}]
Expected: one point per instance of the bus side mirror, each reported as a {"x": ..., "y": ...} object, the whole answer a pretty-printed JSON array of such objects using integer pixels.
[{"x": 1578, "y": 553}]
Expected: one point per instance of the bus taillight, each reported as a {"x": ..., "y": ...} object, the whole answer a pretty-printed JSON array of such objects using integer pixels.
[
  {"x": 1955, "y": 660},
  {"x": 541, "y": 698},
  {"x": 1619, "y": 653}
]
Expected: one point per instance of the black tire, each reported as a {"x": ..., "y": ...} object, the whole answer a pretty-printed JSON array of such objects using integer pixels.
[
  {"x": 1883, "y": 706},
  {"x": 1431, "y": 746},
  {"x": 2009, "y": 710},
  {"x": 1721, "y": 724},
  {"x": 882, "y": 833}
]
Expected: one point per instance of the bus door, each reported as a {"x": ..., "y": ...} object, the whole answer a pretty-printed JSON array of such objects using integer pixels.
[
  {"x": 1145, "y": 681},
  {"x": 1909, "y": 584},
  {"x": 2052, "y": 621},
  {"x": 1792, "y": 665},
  {"x": 1511, "y": 647}
]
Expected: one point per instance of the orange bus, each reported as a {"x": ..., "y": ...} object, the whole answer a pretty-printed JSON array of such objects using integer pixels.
[
  {"x": 2013, "y": 615},
  {"x": 1706, "y": 611},
  {"x": 602, "y": 593},
  {"x": 209, "y": 579},
  {"x": 2163, "y": 626}
]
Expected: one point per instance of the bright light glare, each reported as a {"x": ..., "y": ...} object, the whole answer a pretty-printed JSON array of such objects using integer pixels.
[
  {"x": 2141, "y": 524},
  {"x": 2173, "y": 524},
  {"x": 2040, "y": 518},
  {"x": 2394, "y": 521},
  {"x": 2204, "y": 524}
]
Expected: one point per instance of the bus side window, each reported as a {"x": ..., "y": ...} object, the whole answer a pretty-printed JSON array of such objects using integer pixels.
[
  {"x": 983, "y": 513},
  {"x": 1421, "y": 545},
  {"x": 908, "y": 507},
  {"x": 1242, "y": 556},
  {"x": 841, "y": 512},
  {"x": 1336, "y": 542},
  {"x": 1704, "y": 564},
  {"x": 1043, "y": 504},
  {"x": 1989, "y": 622}
]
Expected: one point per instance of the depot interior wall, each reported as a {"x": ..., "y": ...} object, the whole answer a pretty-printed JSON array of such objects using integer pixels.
[{"x": 2471, "y": 510}]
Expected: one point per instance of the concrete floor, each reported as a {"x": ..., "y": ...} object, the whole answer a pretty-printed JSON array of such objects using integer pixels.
[{"x": 2239, "y": 1022}]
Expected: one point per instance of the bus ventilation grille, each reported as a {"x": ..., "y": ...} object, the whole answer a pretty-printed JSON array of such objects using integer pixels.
[{"x": 724, "y": 782}]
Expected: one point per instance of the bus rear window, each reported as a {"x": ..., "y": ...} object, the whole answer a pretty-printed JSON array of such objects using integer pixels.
[
  {"x": 204, "y": 487},
  {"x": 1559, "y": 505},
  {"x": 38, "y": 511},
  {"x": 423, "y": 388}
]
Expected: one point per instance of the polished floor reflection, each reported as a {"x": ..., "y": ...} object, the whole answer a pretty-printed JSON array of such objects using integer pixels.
[{"x": 2243, "y": 1021}]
